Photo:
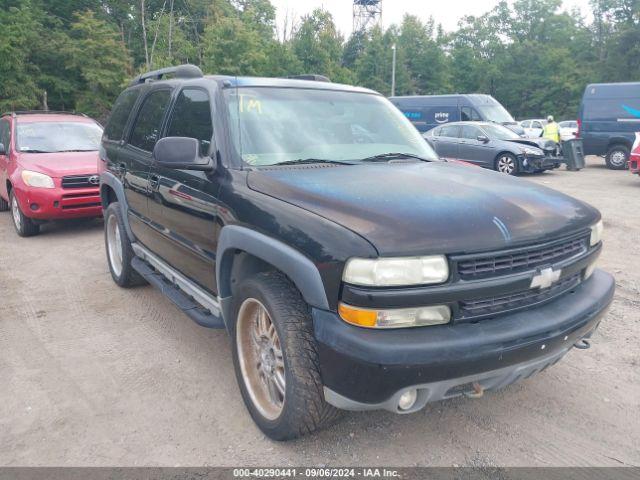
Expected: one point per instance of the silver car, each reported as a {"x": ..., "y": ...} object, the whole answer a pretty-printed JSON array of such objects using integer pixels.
[{"x": 493, "y": 146}]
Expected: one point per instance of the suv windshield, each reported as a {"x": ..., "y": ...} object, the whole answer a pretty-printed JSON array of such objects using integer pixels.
[
  {"x": 499, "y": 132},
  {"x": 271, "y": 126},
  {"x": 50, "y": 137}
]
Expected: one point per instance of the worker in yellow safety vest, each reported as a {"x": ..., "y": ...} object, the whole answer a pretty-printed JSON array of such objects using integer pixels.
[{"x": 551, "y": 130}]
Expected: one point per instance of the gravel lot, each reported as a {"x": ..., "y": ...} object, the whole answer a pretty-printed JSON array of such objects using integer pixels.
[{"x": 93, "y": 375}]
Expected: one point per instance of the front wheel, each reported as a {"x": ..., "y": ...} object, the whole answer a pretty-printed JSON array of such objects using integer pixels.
[
  {"x": 25, "y": 227},
  {"x": 617, "y": 157},
  {"x": 276, "y": 359},
  {"x": 119, "y": 251},
  {"x": 507, "y": 163}
]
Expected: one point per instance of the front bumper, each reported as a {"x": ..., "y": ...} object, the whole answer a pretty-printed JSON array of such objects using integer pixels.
[
  {"x": 533, "y": 164},
  {"x": 369, "y": 369},
  {"x": 59, "y": 203}
]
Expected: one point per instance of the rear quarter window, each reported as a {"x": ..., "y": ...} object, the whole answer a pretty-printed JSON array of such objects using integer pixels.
[{"x": 120, "y": 114}]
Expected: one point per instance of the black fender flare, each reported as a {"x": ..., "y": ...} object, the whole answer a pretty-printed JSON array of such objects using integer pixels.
[
  {"x": 113, "y": 182},
  {"x": 618, "y": 140},
  {"x": 300, "y": 269}
]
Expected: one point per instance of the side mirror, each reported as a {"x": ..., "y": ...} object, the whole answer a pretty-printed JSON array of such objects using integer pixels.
[
  {"x": 181, "y": 153},
  {"x": 3, "y": 151},
  {"x": 482, "y": 138}
]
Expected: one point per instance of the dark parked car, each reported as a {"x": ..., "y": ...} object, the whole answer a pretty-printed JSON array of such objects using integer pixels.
[
  {"x": 492, "y": 146},
  {"x": 352, "y": 268},
  {"x": 429, "y": 111},
  {"x": 608, "y": 119}
]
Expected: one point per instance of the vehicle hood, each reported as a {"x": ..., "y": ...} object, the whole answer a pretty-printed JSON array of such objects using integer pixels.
[
  {"x": 543, "y": 143},
  {"x": 424, "y": 208},
  {"x": 60, "y": 164}
]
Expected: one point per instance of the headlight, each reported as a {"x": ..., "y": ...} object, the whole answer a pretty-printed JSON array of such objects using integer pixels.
[
  {"x": 393, "y": 272},
  {"x": 596, "y": 233},
  {"x": 395, "y": 317},
  {"x": 532, "y": 151},
  {"x": 37, "y": 180}
]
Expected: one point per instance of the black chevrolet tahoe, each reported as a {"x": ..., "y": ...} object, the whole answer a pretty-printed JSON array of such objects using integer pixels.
[{"x": 351, "y": 267}]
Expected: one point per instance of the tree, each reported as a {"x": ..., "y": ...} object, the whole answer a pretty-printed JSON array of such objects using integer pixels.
[
  {"x": 102, "y": 61},
  {"x": 424, "y": 58},
  {"x": 18, "y": 88},
  {"x": 318, "y": 45}
]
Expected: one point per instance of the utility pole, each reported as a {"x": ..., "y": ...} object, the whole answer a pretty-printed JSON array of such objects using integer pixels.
[{"x": 393, "y": 71}]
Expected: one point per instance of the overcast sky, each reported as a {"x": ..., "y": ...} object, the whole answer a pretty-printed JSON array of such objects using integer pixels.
[{"x": 446, "y": 12}]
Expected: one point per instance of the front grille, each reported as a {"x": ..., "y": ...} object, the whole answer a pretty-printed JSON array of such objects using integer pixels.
[
  {"x": 78, "y": 181},
  {"x": 515, "y": 301},
  {"x": 518, "y": 260}
]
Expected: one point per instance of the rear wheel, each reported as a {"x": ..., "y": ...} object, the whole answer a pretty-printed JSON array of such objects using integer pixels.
[
  {"x": 507, "y": 163},
  {"x": 24, "y": 225},
  {"x": 119, "y": 251},
  {"x": 276, "y": 359},
  {"x": 617, "y": 157}
]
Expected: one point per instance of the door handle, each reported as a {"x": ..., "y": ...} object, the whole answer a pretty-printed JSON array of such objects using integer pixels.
[{"x": 154, "y": 182}]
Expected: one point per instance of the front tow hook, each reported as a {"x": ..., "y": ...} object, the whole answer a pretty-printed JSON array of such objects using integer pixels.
[
  {"x": 582, "y": 344},
  {"x": 478, "y": 391}
]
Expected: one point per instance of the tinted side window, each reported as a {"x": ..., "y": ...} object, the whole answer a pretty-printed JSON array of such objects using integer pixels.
[
  {"x": 451, "y": 131},
  {"x": 5, "y": 134},
  {"x": 536, "y": 125},
  {"x": 470, "y": 132},
  {"x": 191, "y": 117},
  {"x": 469, "y": 114},
  {"x": 146, "y": 130},
  {"x": 120, "y": 114}
]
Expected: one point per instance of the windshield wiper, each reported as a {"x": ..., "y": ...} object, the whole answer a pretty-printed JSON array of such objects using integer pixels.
[
  {"x": 302, "y": 161},
  {"x": 78, "y": 150},
  {"x": 32, "y": 150},
  {"x": 390, "y": 156}
]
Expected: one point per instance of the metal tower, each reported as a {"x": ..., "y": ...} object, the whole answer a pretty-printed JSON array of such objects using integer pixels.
[{"x": 366, "y": 14}]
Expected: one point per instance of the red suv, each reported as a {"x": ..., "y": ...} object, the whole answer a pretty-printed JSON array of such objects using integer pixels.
[{"x": 48, "y": 168}]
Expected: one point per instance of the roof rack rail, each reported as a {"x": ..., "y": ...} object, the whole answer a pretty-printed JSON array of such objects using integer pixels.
[
  {"x": 181, "y": 71},
  {"x": 42, "y": 112},
  {"x": 310, "y": 76}
]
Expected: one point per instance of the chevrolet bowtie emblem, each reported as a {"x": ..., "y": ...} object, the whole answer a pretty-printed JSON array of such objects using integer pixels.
[{"x": 545, "y": 278}]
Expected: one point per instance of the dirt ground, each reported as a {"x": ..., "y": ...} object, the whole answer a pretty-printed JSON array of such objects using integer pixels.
[{"x": 94, "y": 375}]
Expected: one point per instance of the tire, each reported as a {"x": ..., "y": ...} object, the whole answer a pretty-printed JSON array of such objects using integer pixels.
[
  {"x": 25, "y": 227},
  {"x": 118, "y": 247},
  {"x": 617, "y": 157},
  {"x": 277, "y": 366},
  {"x": 507, "y": 163}
]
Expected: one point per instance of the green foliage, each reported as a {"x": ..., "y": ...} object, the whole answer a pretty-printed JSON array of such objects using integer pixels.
[
  {"x": 18, "y": 88},
  {"x": 318, "y": 45},
  {"x": 98, "y": 55},
  {"x": 532, "y": 56}
]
